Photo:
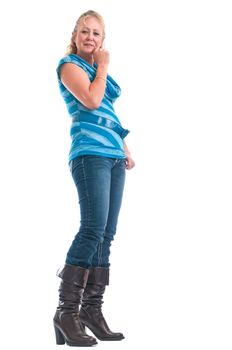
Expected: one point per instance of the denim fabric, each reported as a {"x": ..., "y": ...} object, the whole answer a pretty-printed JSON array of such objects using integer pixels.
[{"x": 100, "y": 183}]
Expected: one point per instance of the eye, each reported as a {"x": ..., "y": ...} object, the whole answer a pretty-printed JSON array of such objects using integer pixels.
[
  {"x": 96, "y": 34},
  {"x": 84, "y": 31}
]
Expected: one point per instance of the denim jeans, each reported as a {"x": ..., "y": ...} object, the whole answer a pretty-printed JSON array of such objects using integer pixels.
[{"x": 100, "y": 183}]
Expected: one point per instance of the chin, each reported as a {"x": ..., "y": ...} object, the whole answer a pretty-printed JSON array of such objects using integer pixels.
[{"x": 88, "y": 49}]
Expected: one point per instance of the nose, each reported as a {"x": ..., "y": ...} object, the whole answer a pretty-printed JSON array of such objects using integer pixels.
[{"x": 90, "y": 35}]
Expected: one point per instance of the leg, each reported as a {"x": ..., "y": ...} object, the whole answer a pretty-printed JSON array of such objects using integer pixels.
[
  {"x": 91, "y": 309},
  {"x": 101, "y": 257},
  {"x": 92, "y": 176}
]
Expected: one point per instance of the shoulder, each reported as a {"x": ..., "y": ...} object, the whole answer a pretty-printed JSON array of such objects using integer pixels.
[{"x": 71, "y": 58}]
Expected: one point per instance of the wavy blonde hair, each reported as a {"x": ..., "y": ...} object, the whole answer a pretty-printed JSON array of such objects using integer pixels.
[{"x": 72, "y": 48}]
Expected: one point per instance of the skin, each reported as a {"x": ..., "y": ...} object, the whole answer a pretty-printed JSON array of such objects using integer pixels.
[{"x": 89, "y": 40}]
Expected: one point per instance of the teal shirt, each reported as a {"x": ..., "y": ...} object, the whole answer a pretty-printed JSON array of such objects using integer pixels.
[{"x": 98, "y": 131}]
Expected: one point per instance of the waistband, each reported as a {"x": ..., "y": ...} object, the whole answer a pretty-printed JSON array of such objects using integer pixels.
[{"x": 101, "y": 121}]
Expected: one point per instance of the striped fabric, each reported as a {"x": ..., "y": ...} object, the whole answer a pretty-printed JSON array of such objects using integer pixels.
[{"x": 93, "y": 132}]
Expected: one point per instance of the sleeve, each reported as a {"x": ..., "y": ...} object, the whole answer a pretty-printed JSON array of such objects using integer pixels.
[{"x": 66, "y": 59}]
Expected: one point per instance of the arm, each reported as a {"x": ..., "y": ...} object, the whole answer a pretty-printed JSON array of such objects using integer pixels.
[
  {"x": 77, "y": 81},
  {"x": 129, "y": 160}
]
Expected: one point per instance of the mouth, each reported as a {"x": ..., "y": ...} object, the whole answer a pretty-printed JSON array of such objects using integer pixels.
[{"x": 89, "y": 45}]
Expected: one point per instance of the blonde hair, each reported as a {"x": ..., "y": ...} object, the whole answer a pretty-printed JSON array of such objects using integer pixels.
[{"x": 72, "y": 48}]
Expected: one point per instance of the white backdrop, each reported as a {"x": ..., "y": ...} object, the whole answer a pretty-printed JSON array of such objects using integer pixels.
[{"x": 171, "y": 260}]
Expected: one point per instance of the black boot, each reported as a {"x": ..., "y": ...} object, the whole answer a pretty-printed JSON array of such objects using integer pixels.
[
  {"x": 68, "y": 328},
  {"x": 91, "y": 309}
]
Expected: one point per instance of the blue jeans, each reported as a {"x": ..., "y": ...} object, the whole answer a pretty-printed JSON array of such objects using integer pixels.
[{"x": 100, "y": 183}]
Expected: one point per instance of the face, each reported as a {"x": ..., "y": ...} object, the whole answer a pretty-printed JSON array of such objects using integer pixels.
[{"x": 89, "y": 36}]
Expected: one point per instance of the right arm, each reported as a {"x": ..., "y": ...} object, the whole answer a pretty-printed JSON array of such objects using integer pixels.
[{"x": 75, "y": 79}]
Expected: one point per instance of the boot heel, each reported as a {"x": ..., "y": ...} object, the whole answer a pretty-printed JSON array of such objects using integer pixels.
[{"x": 59, "y": 337}]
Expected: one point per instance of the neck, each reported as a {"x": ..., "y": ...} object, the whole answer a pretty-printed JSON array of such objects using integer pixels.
[{"x": 87, "y": 58}]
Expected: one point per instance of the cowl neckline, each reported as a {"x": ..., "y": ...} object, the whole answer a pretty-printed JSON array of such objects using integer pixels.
[{"x": 112, "y": 90}]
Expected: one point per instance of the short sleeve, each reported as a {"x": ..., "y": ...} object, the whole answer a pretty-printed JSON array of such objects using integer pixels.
[{"x": 67, "y": 59}]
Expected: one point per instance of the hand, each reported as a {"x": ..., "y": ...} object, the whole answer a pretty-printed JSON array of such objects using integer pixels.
[
  {"x": 101, "y": 57},
  {"x": 130, "y": 163}
]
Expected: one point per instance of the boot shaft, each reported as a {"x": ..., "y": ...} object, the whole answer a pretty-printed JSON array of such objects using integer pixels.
[
  {"x": 74, "y": 279},
  {"x": 99, "y": 276},
  {"x": 75, "y": 275},
  {"x": 98, "y": 279}
]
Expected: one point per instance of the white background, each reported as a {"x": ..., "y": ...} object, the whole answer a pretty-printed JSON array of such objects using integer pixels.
[{"x": 171, "y": 260}]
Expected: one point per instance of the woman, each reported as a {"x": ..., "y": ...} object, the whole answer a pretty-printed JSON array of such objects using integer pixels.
[{"x": 98, "y": 158}]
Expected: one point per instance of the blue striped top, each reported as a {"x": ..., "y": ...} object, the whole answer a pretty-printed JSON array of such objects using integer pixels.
[{"x": 98, "y": 131}]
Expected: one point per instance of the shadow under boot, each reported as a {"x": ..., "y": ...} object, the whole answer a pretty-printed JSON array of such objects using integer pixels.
[
  {"x": 91, "y": 309},
  {"x": 68, "y": 328}
]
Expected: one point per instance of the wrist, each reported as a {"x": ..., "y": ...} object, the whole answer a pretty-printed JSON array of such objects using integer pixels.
[
  {"x": 102, "y": 70},
  {"x": 102, "y": 77}
]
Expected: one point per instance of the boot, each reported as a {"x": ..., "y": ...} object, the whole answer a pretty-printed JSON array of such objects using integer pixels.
[
  {"x": 68, "y": 328},
  {"x": 91, "y": 309}
]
